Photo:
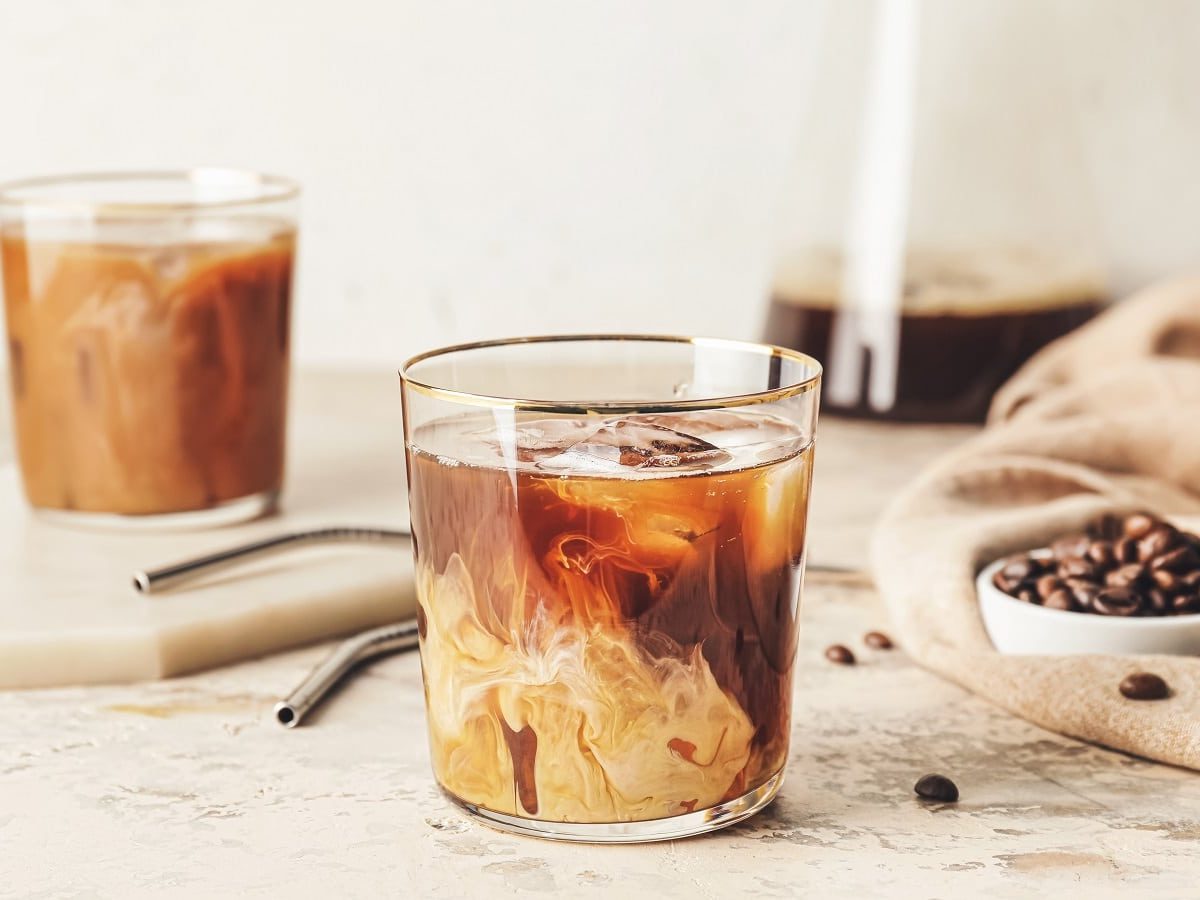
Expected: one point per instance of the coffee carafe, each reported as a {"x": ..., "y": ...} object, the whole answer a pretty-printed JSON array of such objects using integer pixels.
[{"x": 939, "y": 227}]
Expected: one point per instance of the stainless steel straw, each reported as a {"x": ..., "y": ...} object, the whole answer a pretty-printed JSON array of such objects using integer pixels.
[
  {"x": 368, "y": 645},
  {"x": 150, "y": 581},
  {"x": 351, "y": 652}
]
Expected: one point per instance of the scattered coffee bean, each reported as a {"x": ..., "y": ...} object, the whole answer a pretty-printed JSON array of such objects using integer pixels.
[
  {"x": 877, "y": 640},
  {"x": 1117, "y": 601},
  {"x": 1144, "y": 686},
  {"x": 1139, "y": 525},
  {"x": 840, "y": 654},
  {"x": 936, "y": 787}
]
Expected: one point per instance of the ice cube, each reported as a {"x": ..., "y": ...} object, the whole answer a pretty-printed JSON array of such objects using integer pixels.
[
  {"x": 724, "y": 429},
  {"x": 621, "y": 445},
  {"x": 534, "y": 440},
  {"x": 752, "y": 438}
]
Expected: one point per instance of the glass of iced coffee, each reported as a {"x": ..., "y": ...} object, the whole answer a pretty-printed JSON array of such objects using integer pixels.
[
  {"x": 148, "y": 328},
  {"x": 609, "y": 538}
]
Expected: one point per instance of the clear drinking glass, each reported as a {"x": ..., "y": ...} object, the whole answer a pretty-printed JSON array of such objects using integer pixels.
[
  {"x": 148, "y": 332},
  {"x": 609, "y": 537}
]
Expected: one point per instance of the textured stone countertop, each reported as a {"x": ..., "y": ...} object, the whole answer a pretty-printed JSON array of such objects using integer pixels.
[{"x": 188, "y": 788}]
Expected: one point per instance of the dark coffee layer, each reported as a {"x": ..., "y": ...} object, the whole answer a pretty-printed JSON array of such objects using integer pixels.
[{"x": 950, "y": 365}]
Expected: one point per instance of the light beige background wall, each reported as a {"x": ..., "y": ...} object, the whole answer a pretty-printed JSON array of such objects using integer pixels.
[{"x": 478, "y": 168}]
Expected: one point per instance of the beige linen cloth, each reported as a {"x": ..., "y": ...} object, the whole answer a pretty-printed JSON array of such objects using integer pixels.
[{"x": 1106, "y": 418}]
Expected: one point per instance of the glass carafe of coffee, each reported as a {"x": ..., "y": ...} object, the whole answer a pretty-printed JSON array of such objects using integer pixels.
[{"x": 938, "y": 229}]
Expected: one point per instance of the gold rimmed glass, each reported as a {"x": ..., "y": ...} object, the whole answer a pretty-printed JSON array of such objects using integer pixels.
[
  {"x": 148, "y": 320},
  {"x": 609, "y": 534}
]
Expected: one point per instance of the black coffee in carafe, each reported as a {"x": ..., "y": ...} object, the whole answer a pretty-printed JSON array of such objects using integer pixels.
[
  {"x": 965, "y": 322},
  {"x": 937, "y": 228}
]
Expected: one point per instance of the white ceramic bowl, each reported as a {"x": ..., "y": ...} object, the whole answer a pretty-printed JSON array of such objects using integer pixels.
[{"x": 1023, "y": 628}]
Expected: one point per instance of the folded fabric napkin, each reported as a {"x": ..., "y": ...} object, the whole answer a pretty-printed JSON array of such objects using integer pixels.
[{"x": 1106, "y": 419}]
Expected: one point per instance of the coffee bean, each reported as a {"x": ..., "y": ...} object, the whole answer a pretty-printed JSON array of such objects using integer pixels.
[
  {"x": 1125, "y": 550},
  {"x": 1073, "y": 545},
  {"x": 1060, "y": 599},
  {"x": 936, "y": 787},
  {"x": 1101, "y": 553},
  {"x": 1126, "y": 576},
  {"x": 1047, "y": 585},
  {"x": 1144, "y": 686},
  {"x": 877, "y": 640},
  {"x": 1181, "y": 559},
  {"x": 1018, "y": 568},
  {"x": 1183, "y": 604},
  {"x": 1084, "y": 591},
  {"x": 840, "y": 654},
  {"x": 1156, "y": 543},
  {"x": 1076, "y": 567},
  {"x": 1164, "y": 580},
  {"x": 1116, "y": 601},
  {"x": 1158, "y": 602},
  {"x": 1106, "y": 527},
  {"x": 1141, "y": 566},
  {"x": 1139, "y": 525},
  {"x": 1008, "y": 585}
]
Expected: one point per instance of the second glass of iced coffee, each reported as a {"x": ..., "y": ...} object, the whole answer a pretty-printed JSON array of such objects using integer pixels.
[
  {"x": 148, "y": 324},
  {"x": 609, "y": 538}
]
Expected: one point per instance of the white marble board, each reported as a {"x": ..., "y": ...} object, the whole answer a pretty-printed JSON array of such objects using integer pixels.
[{"x": 68, "y": 610}]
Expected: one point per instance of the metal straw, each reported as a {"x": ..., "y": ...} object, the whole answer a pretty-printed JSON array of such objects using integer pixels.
[
  {"x": 352, "y": 651},
  {"x": 150, "y": 581},
  {"x": 368, "y": 645}
]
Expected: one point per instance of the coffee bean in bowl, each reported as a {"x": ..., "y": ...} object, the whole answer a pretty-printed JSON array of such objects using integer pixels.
[{"x": 1126, "y": 584}]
